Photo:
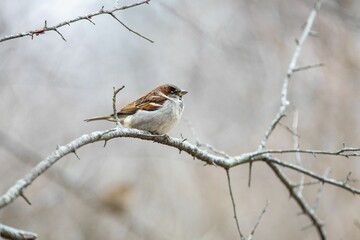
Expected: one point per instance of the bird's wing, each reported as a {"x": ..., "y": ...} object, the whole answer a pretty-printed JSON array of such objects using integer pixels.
[{"x": 148, "y": 102}]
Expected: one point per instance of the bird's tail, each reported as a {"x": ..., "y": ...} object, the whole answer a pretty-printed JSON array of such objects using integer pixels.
[{"x": 109, "y": 118}]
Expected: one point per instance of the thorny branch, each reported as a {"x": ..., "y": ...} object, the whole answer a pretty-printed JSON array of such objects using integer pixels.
[
  {"x": 299, "y": 200},
  {"x": 87, "y": 17},
  {"x": 180, "y": 144},
  {"x": 220, "y": 158},
  {"x": 284, "y": 103}
]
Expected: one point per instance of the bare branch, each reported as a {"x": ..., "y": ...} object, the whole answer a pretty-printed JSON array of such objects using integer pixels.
[
  {"x": 341, "y": 184},
  {"x": 116, "y": 117},
  {"x": 233, "y": 204},
  {"x": 344, "y": 152},
  {"x": 284, "y": 102},
  {"x": 125, "y": 26},
  {"x": 300, "y": 201},
  {"x": 86, "y": 17},
  {"x": 180, "y": 144},
  {"x": 16, "y": 234},
  {"x": 15, "y": 191}
]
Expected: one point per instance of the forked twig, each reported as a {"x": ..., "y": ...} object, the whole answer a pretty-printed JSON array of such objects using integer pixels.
[{"x": 86, "y": 17}]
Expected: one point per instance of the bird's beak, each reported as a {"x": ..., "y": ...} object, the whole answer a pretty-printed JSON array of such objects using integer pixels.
[{"x": 182, "y": 93}]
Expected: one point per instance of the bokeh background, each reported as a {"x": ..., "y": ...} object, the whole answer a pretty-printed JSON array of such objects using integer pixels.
[{"x": 231, "y": 56}]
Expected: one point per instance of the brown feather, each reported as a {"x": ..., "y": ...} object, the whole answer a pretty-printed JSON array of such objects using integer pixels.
[
  {"x": 148, "y": 102},
  {"x": 99, "y": 118}
]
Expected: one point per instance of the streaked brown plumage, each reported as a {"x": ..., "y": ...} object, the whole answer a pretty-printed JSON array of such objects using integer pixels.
[{"x": 137, "y": 114}]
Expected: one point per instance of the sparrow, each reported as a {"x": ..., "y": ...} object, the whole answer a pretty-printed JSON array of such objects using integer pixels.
[{"x": 157, "y": 111}]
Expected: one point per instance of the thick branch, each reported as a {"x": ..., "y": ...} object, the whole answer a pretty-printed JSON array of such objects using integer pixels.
[
  {"x": 16, "y": 190},
  {"x": 16, "y": 234},
  {"x": 202, "y": 155}
]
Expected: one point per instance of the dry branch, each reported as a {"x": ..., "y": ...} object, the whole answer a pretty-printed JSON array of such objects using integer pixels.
[
  {"x": 209, "y": 155},
  {"x": 16, "y": 234},
  {"x": 86, "y": 17},
  {"x": 185, "y": 146}
]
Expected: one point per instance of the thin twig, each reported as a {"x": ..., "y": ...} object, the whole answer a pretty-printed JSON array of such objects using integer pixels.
[
  {"x": 116, "y": 117},
  {"x": 318, "y": 195},
  {"x": 297, "y": 146},
  {"x": 266, "y": 137},
  {"x": 298, "y": 69},
  {"x": 309, "y": 173},
  {"x": 344, "y": 152},
  {"x": 258, "y": 221},
  {"x": 125, "y": 26},
  {"x": 288, "y": 129},
  {"x": 86, "y": 17},
  {"x": 233, "y": 204}
]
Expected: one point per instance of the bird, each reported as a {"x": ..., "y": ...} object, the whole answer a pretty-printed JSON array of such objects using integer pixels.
[{"x": 157, "y": 112}]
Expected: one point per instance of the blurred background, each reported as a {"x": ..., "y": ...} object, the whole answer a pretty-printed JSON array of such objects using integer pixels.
[{"x": 231, "y": 56}]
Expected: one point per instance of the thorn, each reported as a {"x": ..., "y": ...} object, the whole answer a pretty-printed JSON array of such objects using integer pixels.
[
  {"x": 105, "y": 141},
  {"x": 89, "y": 19},
  {"x": 60, "y": 34},
  {"x": 76, "y": 154},
  {"x": 25, "y": 198}
]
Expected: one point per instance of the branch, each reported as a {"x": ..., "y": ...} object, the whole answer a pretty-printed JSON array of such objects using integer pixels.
[
  {"x": 344, "y": 152},
  {"x": 342, "y": 184},
  {"x": 16, "y": 190},
  {"x": 258, "y": 221},
  {"x": 284, "y": 102},
  {"x": 116, "y": 91},
  {"x": 300, "y": 201},
  {"x": 234, "y": 206},
  {"x": 308, "y": 67},
  {"x": 86, "y": 17},
  {"x": 16, "y": 234}
]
